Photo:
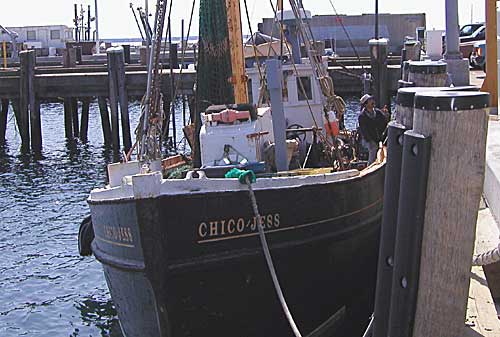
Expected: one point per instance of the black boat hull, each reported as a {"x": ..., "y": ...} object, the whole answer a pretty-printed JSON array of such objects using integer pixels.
[{"x": 192, "y": 265}]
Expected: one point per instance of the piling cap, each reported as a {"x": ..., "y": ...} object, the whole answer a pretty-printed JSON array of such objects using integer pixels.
[
  {"x": 451, "y": 100},
  {"x": 427, "y": 67},
  {"x": 406, "y": 96}
]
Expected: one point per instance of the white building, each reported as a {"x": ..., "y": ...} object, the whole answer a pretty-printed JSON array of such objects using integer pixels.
[{"x": 38, "y": 37}]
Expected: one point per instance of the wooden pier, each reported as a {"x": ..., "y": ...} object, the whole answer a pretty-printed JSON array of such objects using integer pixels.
[{"x": 114, "y": 83}]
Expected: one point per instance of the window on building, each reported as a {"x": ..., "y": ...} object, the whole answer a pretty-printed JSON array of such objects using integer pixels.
[
  {"x": 304, "y": 88},
  {"x": 31, "y": 35},
  {"x": 55, "y": 34}
]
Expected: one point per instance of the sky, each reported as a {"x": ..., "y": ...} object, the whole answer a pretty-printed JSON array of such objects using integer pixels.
[{"x": 116, "y": 19}]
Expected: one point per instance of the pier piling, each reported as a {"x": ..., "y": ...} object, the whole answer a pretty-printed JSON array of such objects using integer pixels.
[
  {"x": 74, "y": 117},
  {"x": 106, "y": 126},
  {"x": 68, "y": 118},
  {"x": 26, "y": 94},
  {"x": 378, "y": 53},
  {"x": 36, "y": 126},
  {"x": 123, "y": 98},
  {"x": 113, "y": 99},
  {"x": 84, "y": 125},
  {"x": 4, "y": 112},
  {"x": 454, "y": 188}
]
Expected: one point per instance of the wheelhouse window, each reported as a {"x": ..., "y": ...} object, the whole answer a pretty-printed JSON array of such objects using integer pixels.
[
  {"x": 55, "y": 34},
  {"x": 31, "y": 35},
  {"x": 304, "y": 88}
]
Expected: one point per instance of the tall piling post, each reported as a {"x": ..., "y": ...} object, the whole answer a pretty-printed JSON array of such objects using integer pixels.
[
  {"x": 113, "y": 99},
  {"x": 4, "y": 112},
  {"x": 74, "y": 116},
  {"x": 84, "y": 125},
  {"x": 33, "y": 104},
  {"x": 68, "y": 118},
  {"x": 454, "y": 188},
  {"x": 26, "y": 74},
  {"x": 106, "y": 126},
  {"x": 378, "y": 61},
  {"x": 123, "y": 97}
]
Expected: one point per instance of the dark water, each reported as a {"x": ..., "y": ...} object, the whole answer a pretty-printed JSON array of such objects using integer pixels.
[{"x": 46, "y": 288}]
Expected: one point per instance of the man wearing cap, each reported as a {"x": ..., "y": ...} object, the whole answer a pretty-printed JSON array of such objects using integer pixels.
[{"x": 372, "y": 125}]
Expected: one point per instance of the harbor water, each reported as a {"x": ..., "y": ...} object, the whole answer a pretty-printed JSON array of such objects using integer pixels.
[{"x": 46, "y": 288}]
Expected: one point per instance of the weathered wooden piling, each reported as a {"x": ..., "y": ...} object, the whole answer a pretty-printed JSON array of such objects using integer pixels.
[
  {"x": 69, "y": 58},
  {"x": 378, "y": 54},
  {"x": 36, "y": 126},
  {"x": 84, "y": 125},
  {"x": 4, "y": 112},
  {"x": 74, "y": 116},
  {"x": 126, "y": 53},
  {"x": 113, "y": 98},
  {"x": 106, "y": 126},
  {"x": 457, "y": 123},
  {"x": 427, "y": 73},
  {"x": 123, "y": 99},
  {"x": 68, "y": 118},
  {"x": 26, "y": 94}
]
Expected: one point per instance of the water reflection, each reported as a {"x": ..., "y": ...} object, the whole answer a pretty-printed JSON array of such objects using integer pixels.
[{"x": 100, "y": 313}]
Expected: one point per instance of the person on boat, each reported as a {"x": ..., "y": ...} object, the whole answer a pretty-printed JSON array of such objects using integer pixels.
[{"x": 372, "y": 125}]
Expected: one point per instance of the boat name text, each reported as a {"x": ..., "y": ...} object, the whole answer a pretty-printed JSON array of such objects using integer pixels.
[
  {"x": 118, "y": 234},
  {"x": 229, "y": 227}
]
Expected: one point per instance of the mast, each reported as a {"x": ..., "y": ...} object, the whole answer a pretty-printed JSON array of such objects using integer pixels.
[{"x": 239, "y": 78}]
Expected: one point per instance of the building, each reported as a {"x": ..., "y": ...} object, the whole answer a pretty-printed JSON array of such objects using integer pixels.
[
  {"x": 360, "y": 28},
  {"x": 41, "y": 37}
]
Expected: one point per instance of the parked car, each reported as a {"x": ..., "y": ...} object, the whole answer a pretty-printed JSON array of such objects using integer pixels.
[
  {"x": 478, "y": 57},
  {"x": 470, "y": 29},
  {"x": 469, "y": 35}
]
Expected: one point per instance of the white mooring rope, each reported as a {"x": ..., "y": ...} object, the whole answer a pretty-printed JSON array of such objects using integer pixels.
[
  {"x": 269, "y": 261},
  {"x": 489, "y": 257}
]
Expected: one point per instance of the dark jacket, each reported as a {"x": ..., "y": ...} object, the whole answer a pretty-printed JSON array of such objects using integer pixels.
[{"x": 372, "y": 129}]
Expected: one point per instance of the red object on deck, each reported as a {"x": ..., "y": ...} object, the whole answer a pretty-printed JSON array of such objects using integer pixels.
[
  {"x": 230, "y": 116},
  {"x": 332, "y": 129}
]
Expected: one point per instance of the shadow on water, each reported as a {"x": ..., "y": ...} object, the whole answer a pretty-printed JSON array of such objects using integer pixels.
[{"x": 101, "y": 314}]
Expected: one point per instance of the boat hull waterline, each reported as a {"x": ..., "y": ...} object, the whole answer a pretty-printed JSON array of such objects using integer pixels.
[{"x": 191, "y": 264}]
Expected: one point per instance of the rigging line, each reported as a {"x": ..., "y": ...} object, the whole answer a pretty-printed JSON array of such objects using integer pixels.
[
  {"x": 177, "y": 83},
  {"x": 253, "y": 40},
  {"x": 347, "y": 34}
]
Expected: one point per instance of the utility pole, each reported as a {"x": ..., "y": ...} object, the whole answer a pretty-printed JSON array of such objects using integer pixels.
[
  {"x": 97, "y": 43},
  {"x": 457, "y": 66},
  {"x": 376, "y": 20}
]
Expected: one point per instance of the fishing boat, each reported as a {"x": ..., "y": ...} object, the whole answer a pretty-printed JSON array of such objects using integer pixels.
[{"x": 187, "y": 257}]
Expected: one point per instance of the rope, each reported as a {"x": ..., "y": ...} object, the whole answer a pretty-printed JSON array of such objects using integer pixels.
[
  {"x": 487, "y": 258},
  {"x": 269, "y": 261},
  {"x": 369, "y": 329}
]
